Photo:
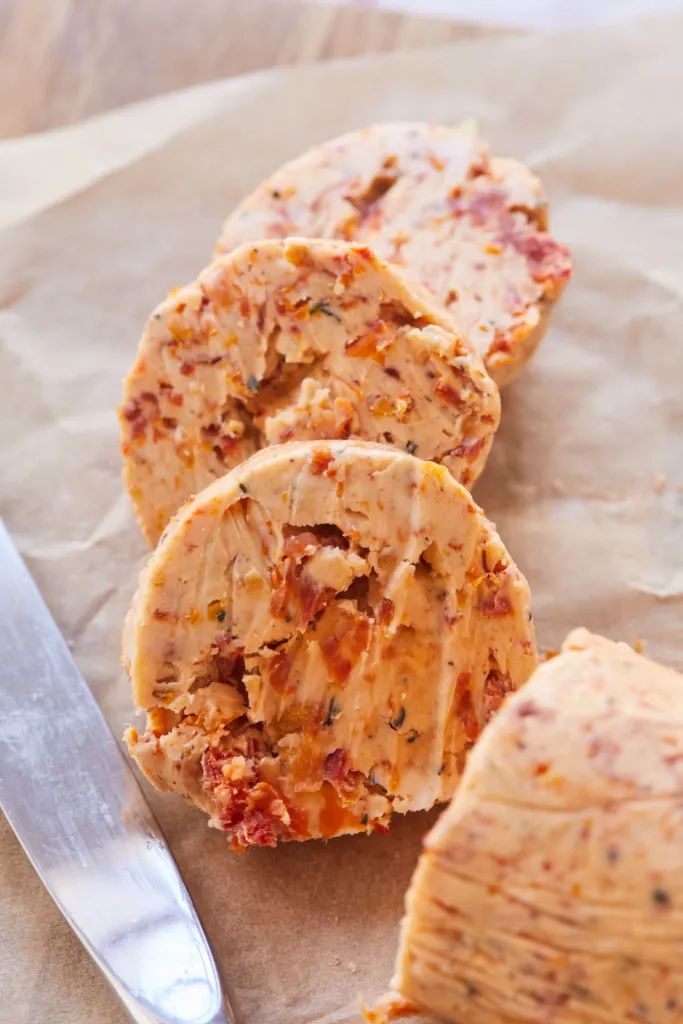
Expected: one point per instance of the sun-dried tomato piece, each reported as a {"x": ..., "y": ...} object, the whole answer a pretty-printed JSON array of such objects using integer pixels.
[
  {"x": 377, "y": 187},
  {"x": 464, "y": 708},
  {"x": 212, "y": 763},
  {"x": 278, "y": 671},
  {"x": 386, "y": 610},
  {"x": 495, "y": 604},
  {"x": 448, "y": 392},
  {"x": 547, "y": 259},
  {"x": 258, "y": 829},
  {"x": 372, "y": 343},
  {"x": 320, "y": 460},
  {"x": 496, "y": 688},
  {"x": 342, "y": 647},
  {"x": 468, "y": 448},
  {"x": 312, "y": 598},
  {"x": 336, "y": 767},
  {"x": 301, "y": 545}
]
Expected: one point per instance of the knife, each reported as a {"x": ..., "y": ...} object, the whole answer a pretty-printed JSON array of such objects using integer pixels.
[{"x": 72, "y": 799}]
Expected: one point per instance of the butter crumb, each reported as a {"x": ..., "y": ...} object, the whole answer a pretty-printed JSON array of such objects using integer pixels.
[
  {"x": 659, "y": 483},
  {"x": 639, "y": 646}
]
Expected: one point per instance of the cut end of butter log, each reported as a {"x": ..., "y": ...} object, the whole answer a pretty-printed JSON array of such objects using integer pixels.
[
  {"x": 551, "y": 889},
  {"x": 297, "y": 339},
  {"x": 318, "y": 640}
]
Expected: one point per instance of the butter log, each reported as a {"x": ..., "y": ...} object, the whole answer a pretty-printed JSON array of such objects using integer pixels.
[
  {"x": 551, "y": 889},
  {"x": 471, "y": 227}
]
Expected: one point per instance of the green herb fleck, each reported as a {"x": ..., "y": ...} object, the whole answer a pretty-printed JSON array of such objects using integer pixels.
[
  {"x": 243, "y": 489},
  {"x": 220, "y": 615},
  {"x": 412, "y": 736},
  {"x": 398, "y": 719},
  {"x": 333, "y": 711},
  {"x": 411, "y": 447},
  {"x": 252, "y": 383},
  {"x": 322, "y": 307}
]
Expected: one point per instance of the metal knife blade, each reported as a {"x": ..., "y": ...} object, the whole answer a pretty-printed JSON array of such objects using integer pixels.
[{"x": 76, "y": 807}]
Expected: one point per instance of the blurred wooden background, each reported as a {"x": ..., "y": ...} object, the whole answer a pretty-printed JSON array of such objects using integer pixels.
[{"x": 63, "y": 60}]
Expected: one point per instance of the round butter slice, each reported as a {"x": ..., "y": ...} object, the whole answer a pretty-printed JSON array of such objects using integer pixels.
[
  {"x": 296, "y": 339},
  {"x": 319, "y": 638},
  {"x": 471, "y": 227},
  {"x": 551, "y": 889}
]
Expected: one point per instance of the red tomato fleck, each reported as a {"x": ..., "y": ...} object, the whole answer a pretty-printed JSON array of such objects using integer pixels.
[
  {"x": 371, "y": 344},
  {"x": 464, "y": 707},
  {"x": 547, "y": 259},
  {"x": 211, "y": 765},
  {"x": 278, "y": 672},
  {"x": 320, "y": 460},
  {"x": 336, "y": 766},
  {"x": 341, "y": 652},
  {"x": 444, "y": 389},
  {"x": 468, "y": 448},
  {"x": 383, "y": 830},
  {"x": 312, "y": 598},
  {"x": 258, "y": 829},
  {"x": 131, "y": 411},
  {"x": 299, "y": 544},
  {"x": 495, "y": 605},
  {"x": 496, "y": 688},
  {"x": 386, "y": 610}
]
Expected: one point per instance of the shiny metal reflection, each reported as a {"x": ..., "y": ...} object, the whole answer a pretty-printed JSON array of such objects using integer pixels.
[{"x": 73, "y": 801}]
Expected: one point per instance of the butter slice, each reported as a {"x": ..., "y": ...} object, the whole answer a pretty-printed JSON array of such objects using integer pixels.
[
  {"x": 470, "y": 227},
  {"x": 319, "y": 638},
  {"x": 297, "y": 340}
]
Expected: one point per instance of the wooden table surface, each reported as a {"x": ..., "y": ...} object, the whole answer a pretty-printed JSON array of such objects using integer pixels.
[{"x": 63, "y": 60}]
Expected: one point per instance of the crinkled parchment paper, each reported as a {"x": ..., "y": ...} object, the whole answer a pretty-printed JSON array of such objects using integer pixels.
[{"x": 585, "y": 480}]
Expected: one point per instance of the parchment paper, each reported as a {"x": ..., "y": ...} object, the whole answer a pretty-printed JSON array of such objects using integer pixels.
[{"x": 585, "y": 480}]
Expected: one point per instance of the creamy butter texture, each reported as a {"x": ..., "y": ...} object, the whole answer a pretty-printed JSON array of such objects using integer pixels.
[
  {"x": 319, "y": 638},
  {"x": 296, "y": 339},
  {"x": 551, "y": 889},
  {"x": 471, "y": 227}
]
